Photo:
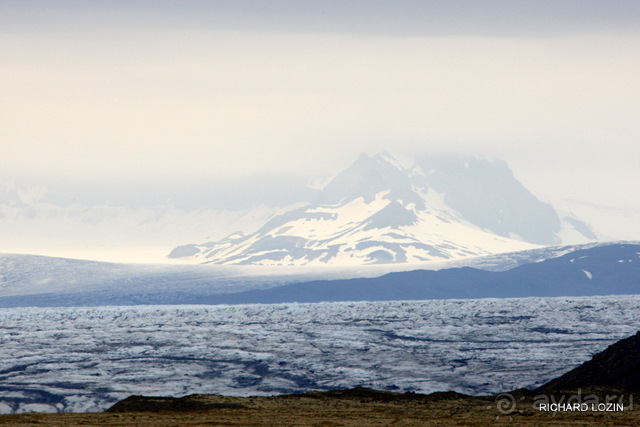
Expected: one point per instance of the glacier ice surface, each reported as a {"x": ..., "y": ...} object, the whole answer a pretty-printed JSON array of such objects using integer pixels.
[{"x": 85, "y": 359}]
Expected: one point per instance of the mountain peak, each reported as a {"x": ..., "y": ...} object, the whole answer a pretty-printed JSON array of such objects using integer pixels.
[
  {"x": 378, "y": 211},
  {"x": 368, "y": 176},
  {"x": 387, "y": 159},
  {"x": 486, "y": 193}
]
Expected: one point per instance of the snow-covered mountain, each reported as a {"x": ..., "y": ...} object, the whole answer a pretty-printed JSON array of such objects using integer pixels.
[{"x": 378, "y": 211}]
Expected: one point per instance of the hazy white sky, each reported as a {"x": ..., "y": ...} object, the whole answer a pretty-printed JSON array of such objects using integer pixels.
[{"x": 204, "y": 89}]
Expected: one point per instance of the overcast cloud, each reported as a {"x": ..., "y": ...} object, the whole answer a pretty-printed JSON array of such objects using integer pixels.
[{"x": 221, "y": 90}]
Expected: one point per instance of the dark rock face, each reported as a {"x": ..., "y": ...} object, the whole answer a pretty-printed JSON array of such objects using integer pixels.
[
  {"x": 487, "y": 194},
  {"x": 203, "y": 402},
  {"x": 169, "y": 404},
  {"x": 617, "y": 367},
  {"x": 367, "y": 177}
]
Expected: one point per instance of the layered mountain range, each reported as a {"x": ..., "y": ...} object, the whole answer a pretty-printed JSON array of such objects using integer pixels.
[
  {"x": 580, "y": 270},
  {"x": 379, "y": 211}
]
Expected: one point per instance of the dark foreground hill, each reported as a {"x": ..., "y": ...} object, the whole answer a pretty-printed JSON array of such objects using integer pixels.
[
  {"x": 617, "y": 367},
  {"x": 354, "y": 407}
]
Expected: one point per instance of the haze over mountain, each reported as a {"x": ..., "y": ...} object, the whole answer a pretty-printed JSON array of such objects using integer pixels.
[
  {"x": 133, "y": 222},
  {"x": 379, "y": 211},
  {"x": 143, "y": 221},
  {"x": 138, "y": 126}
]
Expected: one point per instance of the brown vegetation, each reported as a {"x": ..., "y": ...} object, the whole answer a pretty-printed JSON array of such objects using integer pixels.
[{"x": 354, "y": 407}]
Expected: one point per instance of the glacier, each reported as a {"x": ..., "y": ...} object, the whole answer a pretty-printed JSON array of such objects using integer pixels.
[
  {"x": 29, "y": 281},
  {"x": 86, "y": 358}
]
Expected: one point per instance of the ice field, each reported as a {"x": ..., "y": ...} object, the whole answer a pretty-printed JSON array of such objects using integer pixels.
[{"x": 85, "y": 359}]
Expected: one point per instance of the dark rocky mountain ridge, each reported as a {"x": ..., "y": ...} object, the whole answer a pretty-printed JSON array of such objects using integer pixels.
[
  {"x": 601, "y": 270},
  {"x": 617, "y": 367}
]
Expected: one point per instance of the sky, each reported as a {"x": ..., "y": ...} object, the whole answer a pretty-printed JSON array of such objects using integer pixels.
[{"x": 132, "y": 91}]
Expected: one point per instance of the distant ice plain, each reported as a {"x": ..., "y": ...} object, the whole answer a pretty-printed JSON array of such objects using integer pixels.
[{"x": 85, "y": 359}]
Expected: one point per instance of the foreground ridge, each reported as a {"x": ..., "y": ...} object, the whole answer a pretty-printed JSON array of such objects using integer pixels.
[
  {"x": 353, "y": 407},
  {"x": 200, "y": 402},
  {"x": 616, "y": 367}
]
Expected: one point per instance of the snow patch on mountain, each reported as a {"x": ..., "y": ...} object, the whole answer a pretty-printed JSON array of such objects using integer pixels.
[
  {"x": 356, "y": 233},
  {"x": 380, "y": 211}
]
